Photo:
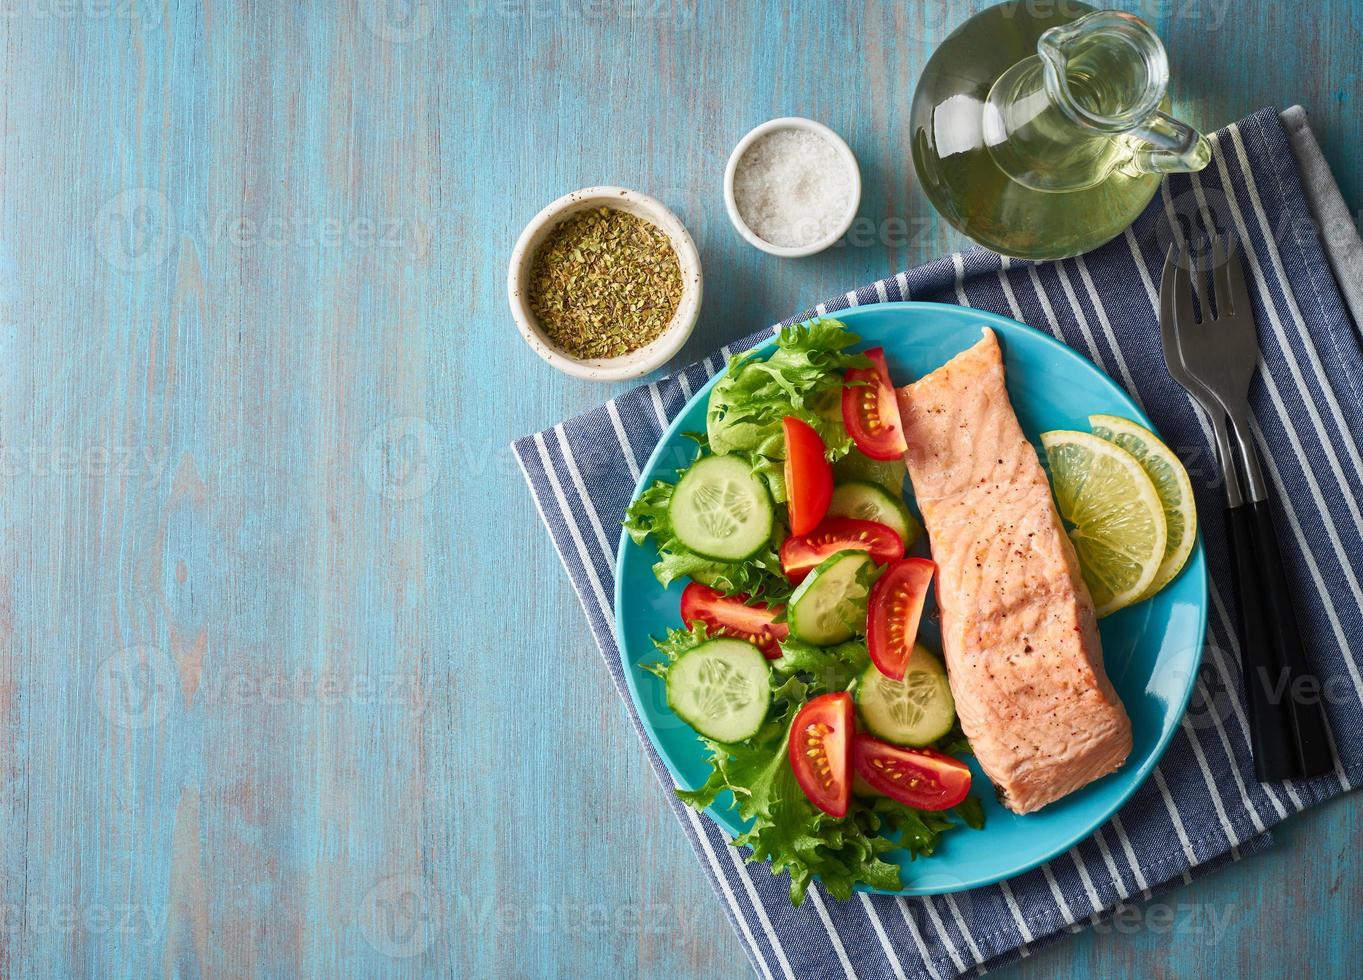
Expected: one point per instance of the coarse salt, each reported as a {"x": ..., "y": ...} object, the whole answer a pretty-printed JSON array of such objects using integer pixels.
[{"x": 792, "y": 187}]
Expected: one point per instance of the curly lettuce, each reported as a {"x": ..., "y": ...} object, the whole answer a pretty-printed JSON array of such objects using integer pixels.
[
  {"x": 790, "y": 833},
  {"x": 803, "y": 378},
  {"x": 797, "y": 838},
  {"x": 821, "y": 669}
]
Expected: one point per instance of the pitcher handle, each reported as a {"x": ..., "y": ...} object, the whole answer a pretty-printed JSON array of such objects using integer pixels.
[{"x": 1171, "y": 147}]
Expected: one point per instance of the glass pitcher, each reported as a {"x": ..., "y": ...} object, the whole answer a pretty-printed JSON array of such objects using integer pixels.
[{"x": 1041, "y": 130}]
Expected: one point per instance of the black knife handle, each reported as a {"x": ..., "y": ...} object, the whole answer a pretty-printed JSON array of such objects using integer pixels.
[
  {"x": 1303, "y": 694},
  {"x": 1270, "y": 733}
]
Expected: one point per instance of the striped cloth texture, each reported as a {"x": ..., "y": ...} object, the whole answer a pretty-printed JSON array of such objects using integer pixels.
[{"x": 1202, "y": 807}]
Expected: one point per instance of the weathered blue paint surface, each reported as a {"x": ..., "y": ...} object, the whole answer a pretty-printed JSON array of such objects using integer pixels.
[{"x": 291, "y": 681}]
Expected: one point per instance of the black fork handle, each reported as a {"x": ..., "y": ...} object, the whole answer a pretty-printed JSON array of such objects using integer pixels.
[
  {"x": 1303, "y": 698},
  {"x": 1270, "y": 733}
]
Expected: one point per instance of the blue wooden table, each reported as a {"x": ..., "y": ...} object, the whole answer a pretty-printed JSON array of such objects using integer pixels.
[{"x": 291, "y": 680}]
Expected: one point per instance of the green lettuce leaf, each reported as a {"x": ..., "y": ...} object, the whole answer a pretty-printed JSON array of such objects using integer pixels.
[
  {"x": 856, "y": 465},
  {"x": 790, "y": 833},
  {"x": 971, "y": 812},
  {"x": 673, "y": 644},
  {"x": 822, "y": 669},
  {"x": 803, "y": 377},
  {"x": 954, "y": 742},
  {"x": 797, "y": 838}
]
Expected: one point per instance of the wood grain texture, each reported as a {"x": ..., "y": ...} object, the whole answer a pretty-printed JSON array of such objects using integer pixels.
[{"x": 291, "y": 680}]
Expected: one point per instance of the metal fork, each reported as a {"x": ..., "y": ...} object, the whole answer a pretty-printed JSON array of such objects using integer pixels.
[{"x": 1214, "y": 359}]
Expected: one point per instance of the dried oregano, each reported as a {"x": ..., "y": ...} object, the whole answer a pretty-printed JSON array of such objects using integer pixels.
[{"x": 604, "y": 283}]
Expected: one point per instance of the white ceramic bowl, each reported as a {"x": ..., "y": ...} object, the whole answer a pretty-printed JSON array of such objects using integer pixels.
[
  {"x": 844, "y": 151},
  {"x": 647, "y": 358}
]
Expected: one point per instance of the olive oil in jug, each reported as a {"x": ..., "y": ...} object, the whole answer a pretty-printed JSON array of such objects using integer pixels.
[{"x": 1041, "y": 131}]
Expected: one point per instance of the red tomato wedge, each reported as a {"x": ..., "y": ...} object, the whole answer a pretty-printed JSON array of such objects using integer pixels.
[
  {"x": 921, "y": 778},
  {"x": 801, "y": 553},
  {"x": 821, "y": 752},
  {"x": 870, "y": 410},
  {"x": 893, "y": 611},
  {"x": 732, "y": 615},
  {"x": 809, "y": 478}
]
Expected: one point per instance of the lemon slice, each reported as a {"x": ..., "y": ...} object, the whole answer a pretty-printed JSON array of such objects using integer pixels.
[
  {"x": 1171, "y": 482},
  {"x": 1114, "y": 514}
]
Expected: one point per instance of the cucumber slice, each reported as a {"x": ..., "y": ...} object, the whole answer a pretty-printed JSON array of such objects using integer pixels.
[
  {"x": 721, "y": 688},
  {"x": 830, "y": 605},
  {"x": 720, "y": 574},
  {"x": 916, "y": 711},
  {"x": 872, "y": 502},
  {"x": 720, "y": 510}
]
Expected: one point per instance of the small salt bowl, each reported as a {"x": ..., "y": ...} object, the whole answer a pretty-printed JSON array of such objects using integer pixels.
[
  {"x": 797, "y": 181},
  {"x": 656, "y": 352}
]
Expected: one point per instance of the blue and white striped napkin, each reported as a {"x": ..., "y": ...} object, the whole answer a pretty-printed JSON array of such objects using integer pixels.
[{"x": 1203, "y": 806}]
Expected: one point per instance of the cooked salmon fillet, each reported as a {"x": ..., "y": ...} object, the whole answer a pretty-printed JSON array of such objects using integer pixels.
[{"x": 1018, "y": 631}]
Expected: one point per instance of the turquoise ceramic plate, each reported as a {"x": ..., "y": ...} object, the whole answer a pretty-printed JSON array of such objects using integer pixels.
[{"x": 1151, "y": 650}]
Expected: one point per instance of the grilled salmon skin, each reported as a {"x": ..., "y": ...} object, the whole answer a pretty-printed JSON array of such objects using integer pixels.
[{"x": 1018, "y": 630}]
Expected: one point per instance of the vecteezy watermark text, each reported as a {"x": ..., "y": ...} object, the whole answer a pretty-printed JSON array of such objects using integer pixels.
[
  {"x": 137, "y": 230},
  {"x": 1210, "y": 13},
  {"x": 404, "y": 458},
  {"x": 125, "y": 462},
  {"x": 145, "y": 14},
  {"x": 97, "y": 919},
  {"x": 140, "y": 686},
  {"x": 297, "y": 229},
  {"x": 403, "y": 914},
  {"x": 1206, "y": 921},
  {"x": 323, "y": 688}
]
